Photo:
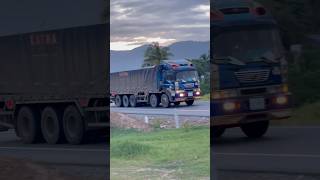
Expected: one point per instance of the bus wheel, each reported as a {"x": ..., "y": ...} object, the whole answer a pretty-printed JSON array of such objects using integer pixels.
[
  {"x": 73, "y": 125},
  {"x": 28, "y": 125},
  {"x": 133, "y": 101},
  {"x": 125, "y": 101},
  {"x": 165, "y": 102},
  {"x": 255, "y": 129},
  {"x": 190, "y": 102},
  {"x": 51, "y": 126},
  {"x": 118, "y": 101},
  {"x": 154, "y": 101}
]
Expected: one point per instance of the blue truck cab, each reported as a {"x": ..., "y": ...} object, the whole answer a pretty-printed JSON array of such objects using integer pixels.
[
  {"x": 171, "y": 82},
  {"x": 249, "y": 84}
]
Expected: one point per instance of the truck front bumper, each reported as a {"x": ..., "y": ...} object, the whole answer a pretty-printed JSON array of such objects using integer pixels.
[{"x": 244, "y": 114}]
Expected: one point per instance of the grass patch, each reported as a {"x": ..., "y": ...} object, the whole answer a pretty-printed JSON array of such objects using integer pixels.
[
  {"x": 307, "y": 114},
  {"x": 206, "y": 97},
  {"x": 128, "y": 149},
  {"x": 162, "y": 154}
]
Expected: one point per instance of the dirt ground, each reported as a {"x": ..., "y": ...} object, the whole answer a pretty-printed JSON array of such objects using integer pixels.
[{"x": 19, "y": 169}]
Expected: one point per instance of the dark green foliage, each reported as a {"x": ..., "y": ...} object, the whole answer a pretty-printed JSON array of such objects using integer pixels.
[
  {"x": 155, "y": 54},
  {"x": 203, "y": 67},
  {"x": 304, "y": 78}
]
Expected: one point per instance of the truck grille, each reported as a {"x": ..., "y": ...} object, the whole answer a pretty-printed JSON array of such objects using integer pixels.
[
  {"x": 252, "y": 76},
  {"x": 189, "y": 85}
]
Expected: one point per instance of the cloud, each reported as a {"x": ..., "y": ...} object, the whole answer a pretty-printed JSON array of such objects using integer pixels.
[{"x": 165, "y": 21}]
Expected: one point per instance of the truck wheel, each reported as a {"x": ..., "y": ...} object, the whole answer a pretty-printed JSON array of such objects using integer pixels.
[
  {"x": 190, "y": 102},
  {"x": 165, "y": 102},
  {"x": 218, "y": 132},
  {"x": 125, "y": 101},
  {"x": 133, "y": 101},
  {"x": 73, "y": 125},
  {"x": 176, "y": 103},
  {"x": 118, "y": 101},
  {"x": 28, "y": 125},
  {"x": 154, "y": 101},
  {"x": 51, "y": 126},
  {"x": 255, "y": 129}
]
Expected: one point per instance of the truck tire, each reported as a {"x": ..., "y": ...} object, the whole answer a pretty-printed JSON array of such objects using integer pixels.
[
  {"x": 125, "y": 101},
  {"x": 218, "y": 132},
  {"x": 190, "y": 102},
  {"x": 51, "y": 126},
  {"x": 28, "y": 125},
  {"x": 73, "y": 125},
  {"x": 165, "y": 102},
  {"x": 118, "y": 101},
  {"x": 154, "y": 101},
  {"x": 133, "y": 101},
  {"x": 255, "y": 129}
]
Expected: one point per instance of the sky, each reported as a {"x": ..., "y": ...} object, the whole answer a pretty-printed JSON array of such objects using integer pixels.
[{"x": 137, "y": 22}]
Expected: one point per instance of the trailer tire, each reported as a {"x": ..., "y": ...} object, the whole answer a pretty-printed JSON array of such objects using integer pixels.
[
  {"x": 154, "y": 100},
  {"x": 125, "y": 101},
  {"x": 118, "y": 101},
  {"x": 190, "y": 102},
  {"x": 255, "y": 129},
  {"x": 28, "y": 125},
  {"x": 51, "y": 125},
  {"x": 133, "y": 101},
  {"x": 165, "y": 101},
  {"x": 73, "y": 125}
]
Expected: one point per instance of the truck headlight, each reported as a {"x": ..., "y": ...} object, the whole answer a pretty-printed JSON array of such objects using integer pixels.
[
  {"x": 198, "y": 93},
  {"x": 282, "y": 100},
  {"x": 229, "y": 106},
  {"x": 225, "y": 94}
]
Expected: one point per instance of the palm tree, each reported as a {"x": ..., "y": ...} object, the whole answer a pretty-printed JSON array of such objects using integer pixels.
[{"x": 155, "y": 54}]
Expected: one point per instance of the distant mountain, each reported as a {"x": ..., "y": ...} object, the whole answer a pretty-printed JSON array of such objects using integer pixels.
[{"x": 133, "y": 59}]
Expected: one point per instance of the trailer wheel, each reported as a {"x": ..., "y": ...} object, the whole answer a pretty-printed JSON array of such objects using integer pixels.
[
  {"x": 133, "y": 101},
  {"x": 28, "y": 125},
  {"x": 73, "y": 125},
  {"x": 190, "y": 102},
  {"x": 118, "y": 101},
  {"x": 51, "y": 125},
  {"x": 165, "y": 102},
  {"x": 125, "y": 101},
  {"x": 154, "y": 101},
  {"x": 255, "y": 129}
]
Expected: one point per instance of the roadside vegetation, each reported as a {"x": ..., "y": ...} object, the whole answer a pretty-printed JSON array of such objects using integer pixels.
[{"x": 160, "y": 154}]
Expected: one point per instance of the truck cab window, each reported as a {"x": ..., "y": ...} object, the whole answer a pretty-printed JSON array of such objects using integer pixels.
[{"x": 169, "y": 76}]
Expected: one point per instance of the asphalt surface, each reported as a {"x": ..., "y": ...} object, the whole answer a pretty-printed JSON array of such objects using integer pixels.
[
  {"x": 285, "y": 153},
  {"x": 89, "y": 160},
  {"x": 199, "y": 109}
]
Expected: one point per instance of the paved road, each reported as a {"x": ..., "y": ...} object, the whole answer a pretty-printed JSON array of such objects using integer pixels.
[
  {"x": 200, "y": 108},
  {"x": 284, "y": 152},
  {"x": 84, "y": 160}
]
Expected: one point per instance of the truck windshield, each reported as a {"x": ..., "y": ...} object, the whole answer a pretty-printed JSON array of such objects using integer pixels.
[
  {"x": 187, "y": 76},
  {"x": 248, "y": 44}
]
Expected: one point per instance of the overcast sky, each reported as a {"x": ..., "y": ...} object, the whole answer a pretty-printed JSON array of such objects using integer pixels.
[{"x": 137, "y": 22}]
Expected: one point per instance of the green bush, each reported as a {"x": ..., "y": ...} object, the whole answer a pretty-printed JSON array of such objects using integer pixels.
[{"x": 128, "y": 149}]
